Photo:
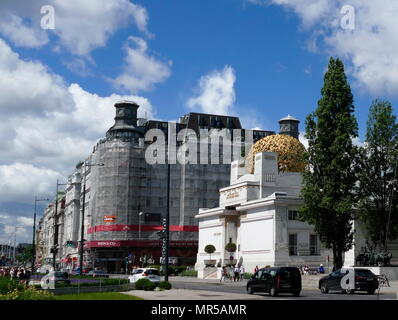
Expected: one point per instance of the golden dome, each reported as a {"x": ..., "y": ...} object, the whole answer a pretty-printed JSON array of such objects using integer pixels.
[{"x": 290, "y": 152}]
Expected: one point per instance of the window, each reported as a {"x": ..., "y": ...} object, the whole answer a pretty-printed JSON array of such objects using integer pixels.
[
  {"x": 152, "y": 217},
  {"x": 272, "y": 273},
  {"x": 258, "y": 274},
  {"x": 265, "y": 275},
  {"x": 314, "y": 250},
  {"x": 292, "y": 244},
  {"x": 292, "y": 215}
]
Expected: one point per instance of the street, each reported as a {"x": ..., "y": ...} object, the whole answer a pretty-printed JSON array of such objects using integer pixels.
[{"x": 306, "y": 293}]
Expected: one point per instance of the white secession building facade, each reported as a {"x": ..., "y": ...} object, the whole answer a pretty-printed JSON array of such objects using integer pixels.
[{"x": 258, "y": 212}]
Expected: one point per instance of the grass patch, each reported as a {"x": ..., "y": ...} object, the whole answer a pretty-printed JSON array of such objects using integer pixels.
[{"x": 97, "y": 296}]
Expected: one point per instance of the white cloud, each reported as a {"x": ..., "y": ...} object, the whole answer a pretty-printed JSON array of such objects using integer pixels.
[
  {"x": 25, "y": 221},
  {"x": 21, "y": 34},
  {"x": 303, "y": 139},
  {"x": 47, "y": 125},
  {"x": 141, "y": 71},
  {"x": 29, "y": 87},
  {"x": 370, "y": 48},
  {"x": 80, "y": 26},
  {"x": 215, "y": 93},
  {"x": 19, "y": 182}
]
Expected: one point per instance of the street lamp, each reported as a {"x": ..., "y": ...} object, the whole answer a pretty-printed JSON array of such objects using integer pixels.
[
  {"x": 83, "y": 205},
  {"x": 167, "y": 227},
  {"x": 139, "y": 225},
  {"x": 34, "y": 234},
  {"x": 391, "y": 202}
]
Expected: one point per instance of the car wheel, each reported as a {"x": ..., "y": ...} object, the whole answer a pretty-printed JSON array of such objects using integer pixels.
[
  {"x": 249, "y": 289},
  {"x": 371, "y": 291},
  {"x": 350, "y": 291},
  {"x": 296, "y": 293},
  {"x": 324, "y": 288},
  {"x": 273, "y": 292}
]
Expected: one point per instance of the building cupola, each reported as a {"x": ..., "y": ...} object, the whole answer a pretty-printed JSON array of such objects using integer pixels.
[
  {"x": 125, "y": 121},
  {"x": 289, "y": 126}
]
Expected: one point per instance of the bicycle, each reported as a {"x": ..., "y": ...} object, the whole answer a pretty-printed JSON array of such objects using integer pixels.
[{"x": 383, "y": 280}]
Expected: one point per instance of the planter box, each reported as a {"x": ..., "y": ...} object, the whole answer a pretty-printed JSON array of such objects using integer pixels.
[
  {"x": 230, "y": 262},
  {"x": 211, "y": 263}
]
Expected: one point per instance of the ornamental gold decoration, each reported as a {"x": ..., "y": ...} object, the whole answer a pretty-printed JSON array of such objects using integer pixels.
[{"x": 290, "y": 152}]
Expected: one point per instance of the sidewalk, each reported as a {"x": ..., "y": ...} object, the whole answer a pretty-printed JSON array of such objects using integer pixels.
[{"x": 186, "y": 294}]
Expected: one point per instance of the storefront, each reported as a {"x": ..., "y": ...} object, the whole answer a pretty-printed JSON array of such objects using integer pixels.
[{"x": 113, "y": 256}]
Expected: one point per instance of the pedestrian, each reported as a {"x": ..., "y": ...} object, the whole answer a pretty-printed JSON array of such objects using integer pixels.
[
  {"x": 321, "y": 269},
  {"x": 241, "y": 271},
  {"x": 255, "y": 269},
  {"x": 223, "y": 273},
  {"x": 231, "y": 273},
  {"x": 236, "y": 273},
  {"x": 307, "y": 269}
]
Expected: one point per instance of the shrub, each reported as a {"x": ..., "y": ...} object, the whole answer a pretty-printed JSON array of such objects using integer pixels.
[
  {"x": 149, "y": 286},
  {"x": 189, "y": 273},
  {"x": 210, "y": 249},
  {"x": 247, "y": 275},
  {"x": 230, "y": 247},
  {"x": 7, "y": 285},
  {"x": 29, "y": 293},
  {"x": 165, "y": 285},
  {"x": 139, "y": 285},
  {"x": 12, "y": 290},
  {"x": 96, "y": 283}
]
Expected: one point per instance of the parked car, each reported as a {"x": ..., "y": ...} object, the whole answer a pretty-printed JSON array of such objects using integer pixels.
[
  {"x": 276, "y": 280},
  {"x": 98, "y": 273},
  {"x": 76, "y": 272},
  {"x": 59, "y": 277},
  {"x": 44, "y": 269},
  {"x": 145, "y": 273},
  {"x": 364, "y": 280}
]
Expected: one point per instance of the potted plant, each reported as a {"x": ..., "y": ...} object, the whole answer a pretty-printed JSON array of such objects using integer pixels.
[
  {"x": 209, "y": 249},
  {"x": 231, "y": 248}
]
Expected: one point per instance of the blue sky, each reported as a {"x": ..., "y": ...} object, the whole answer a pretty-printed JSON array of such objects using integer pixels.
[{"x": 258, "y": 59}]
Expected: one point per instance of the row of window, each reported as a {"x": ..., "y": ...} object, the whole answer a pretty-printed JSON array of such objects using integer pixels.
[
  {"x": 203, "y": 203},
  {"x": 313, "y": 245}
]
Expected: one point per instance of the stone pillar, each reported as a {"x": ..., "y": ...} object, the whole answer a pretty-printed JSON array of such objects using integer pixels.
[
  {"x": 266, "y": 171},
  {"x": 281, "y": 237}
]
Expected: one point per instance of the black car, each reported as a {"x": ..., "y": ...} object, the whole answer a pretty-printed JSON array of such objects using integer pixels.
[
  {"x": 276, "y": 280},
  {"x": 363, "y": 280},
  {"x": 59, "y": 277}
]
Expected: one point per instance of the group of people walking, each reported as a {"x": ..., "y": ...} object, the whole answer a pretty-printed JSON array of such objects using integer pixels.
[
  {"x": 15, "y": 273},
  {"x": 232, "y": 273}
]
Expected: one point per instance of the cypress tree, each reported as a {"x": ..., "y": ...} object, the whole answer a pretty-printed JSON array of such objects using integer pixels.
[{"x": 329, "y": 191}]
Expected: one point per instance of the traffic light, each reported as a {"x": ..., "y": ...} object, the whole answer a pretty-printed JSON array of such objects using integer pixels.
[{"x": 161, "y": 234}]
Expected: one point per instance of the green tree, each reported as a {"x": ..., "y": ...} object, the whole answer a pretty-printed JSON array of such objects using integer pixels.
[
  {"x": 378, "y": 207},
  {"x": 26, "y": 255},
  {"x": 230, "y": 247},
  {"x": 331, "y": 175},
  {"x": 210, "y": 249}
]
